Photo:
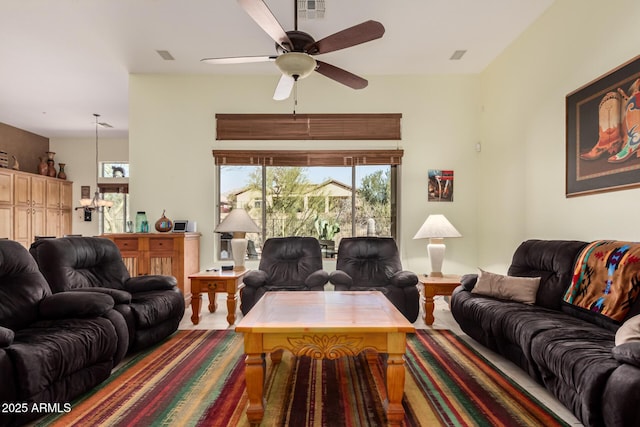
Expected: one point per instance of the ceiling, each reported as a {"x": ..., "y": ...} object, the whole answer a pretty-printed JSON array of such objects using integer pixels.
[{"x": 61, "y": 61}]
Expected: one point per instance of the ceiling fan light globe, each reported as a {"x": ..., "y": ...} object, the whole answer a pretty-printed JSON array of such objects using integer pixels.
[{"x": 296, "y": 64}]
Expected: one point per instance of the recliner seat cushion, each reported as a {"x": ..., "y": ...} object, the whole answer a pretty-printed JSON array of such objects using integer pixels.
[
  {"x": 50, "y": 351},
  {"x": 150, "y": 307}
]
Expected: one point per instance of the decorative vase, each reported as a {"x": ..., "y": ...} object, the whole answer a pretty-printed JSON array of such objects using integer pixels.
[
  {"x": 43, "y": 168},
  {"x": 164, "y": 224},
  {"x": 50, "y": 155},
  {"x": 51, "y": 169},
  {"x": 61, "y": 172}
]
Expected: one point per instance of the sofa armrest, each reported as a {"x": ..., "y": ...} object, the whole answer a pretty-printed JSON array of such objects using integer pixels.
[
  {"x": 119, "y": 296},
  {"x": 628, "y": 352},
  {"x": 404, "y": 279},
  {"x": 150, "y": 283},
  {"x": 339, "y": 277},
  {"x": 468, "y": 281},
  {"x": 317, "y": 279},
  {"x": 65, "y": 305},
  {"x": 255, "y": 278},
  {"x": 6, "y": 337}
]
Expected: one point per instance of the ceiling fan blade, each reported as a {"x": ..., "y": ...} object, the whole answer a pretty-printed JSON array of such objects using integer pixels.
[
  {"x": 341, "y": 76},
  {"x": 261, "y": 14},
  {"x": 283, "y": 90},
  {"x": 361, "y": 33},
  {"x": 239, "y": 59}
]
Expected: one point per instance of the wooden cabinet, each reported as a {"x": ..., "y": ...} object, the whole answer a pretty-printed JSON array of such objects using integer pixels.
[
  {"x": 171, "y": 254},
  {"x": 24, "y": 206},
  {"x": 59, "y": 210}
]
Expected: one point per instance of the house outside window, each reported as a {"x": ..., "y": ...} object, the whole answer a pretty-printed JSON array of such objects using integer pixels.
[{"x": 317, "y": 201}]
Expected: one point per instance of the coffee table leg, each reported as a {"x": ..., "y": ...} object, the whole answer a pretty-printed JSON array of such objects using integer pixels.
[
  {"x": 395, "y": 389},
  {"x": 195, "y": 306},
  {"x": 254, "y": 376}
]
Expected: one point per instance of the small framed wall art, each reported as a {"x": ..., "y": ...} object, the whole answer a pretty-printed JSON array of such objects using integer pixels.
[
  {"x": 603, "y": 133},
  {"x": 440, "y": 185}
]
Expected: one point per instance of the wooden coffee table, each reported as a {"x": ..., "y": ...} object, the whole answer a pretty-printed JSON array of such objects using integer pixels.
[
  {"x": 214, "y": 282},
  {"x": 324, "y": 325}
]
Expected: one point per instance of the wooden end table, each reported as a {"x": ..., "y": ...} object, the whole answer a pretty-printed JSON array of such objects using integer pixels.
[
  {"x": 324, "y": 325},
  {"x": 214, "y": 282},
  {"x": 436, "y": 286}
]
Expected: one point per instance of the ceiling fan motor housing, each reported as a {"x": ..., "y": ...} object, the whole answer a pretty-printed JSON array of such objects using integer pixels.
[{"x": 300, "y": 41}]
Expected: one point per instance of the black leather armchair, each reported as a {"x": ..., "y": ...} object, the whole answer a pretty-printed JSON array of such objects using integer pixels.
[
  {"x": 373, "y": 263},
  {"x": 53, "y": 348},
  {"x": 151, "y": 305},
  {"x": 287, "y": 264}
]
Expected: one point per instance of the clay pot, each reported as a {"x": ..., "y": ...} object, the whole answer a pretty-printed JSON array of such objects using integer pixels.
[
  {"x": 164, "y": 224},
  {"x": 43, "y": 168},
  {"x": 61, "y": 173},
  {"x": 51, "y": 169}
]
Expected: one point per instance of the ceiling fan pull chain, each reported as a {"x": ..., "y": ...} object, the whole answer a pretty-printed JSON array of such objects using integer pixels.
[{"x": 295, "y": 98}]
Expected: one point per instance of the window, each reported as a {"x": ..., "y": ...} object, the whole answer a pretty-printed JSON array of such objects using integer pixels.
[
  {"x": 326, "y": 202},
  {"x": 114, "y": 186}
]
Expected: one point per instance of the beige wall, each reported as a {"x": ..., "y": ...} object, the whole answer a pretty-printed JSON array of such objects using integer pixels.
[
  {"x": 172, "y": 133},
  {"x": 80, "y": 158},
  {"x": 522, "y": 164}
]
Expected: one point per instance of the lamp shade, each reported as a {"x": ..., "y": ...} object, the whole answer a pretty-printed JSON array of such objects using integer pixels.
[
  {"x": 296, "y": 64},
  {"x": 238, "y": 221},
  {"x": 438, "y": 227}
]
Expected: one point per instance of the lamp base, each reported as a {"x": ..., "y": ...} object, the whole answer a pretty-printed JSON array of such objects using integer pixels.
[
  {"x": 238, "y": 249},
  {"x": 436, "y": 248}
]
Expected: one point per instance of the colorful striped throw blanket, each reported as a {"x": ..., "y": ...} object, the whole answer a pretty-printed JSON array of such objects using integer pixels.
[{"x": 606, "y": 278}]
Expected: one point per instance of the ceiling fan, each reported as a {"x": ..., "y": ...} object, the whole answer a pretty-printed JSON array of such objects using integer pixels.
[{"x": 295, "y": 49}]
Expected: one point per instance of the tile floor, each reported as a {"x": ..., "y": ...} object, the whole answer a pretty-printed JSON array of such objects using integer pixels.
[{"x": 443, "y": 320}]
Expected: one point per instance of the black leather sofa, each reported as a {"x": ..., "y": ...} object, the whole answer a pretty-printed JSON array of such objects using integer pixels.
[
  {"x": 286, "y": 264},
  {"x": 571, "y": 352},
  {"x": 373, "y": 263},
  {"x": 53, "y": 348},
  {"x": 151, "y": 305}
]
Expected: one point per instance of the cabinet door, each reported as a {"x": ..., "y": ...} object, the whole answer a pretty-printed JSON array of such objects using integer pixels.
[
  {"x": 22, "y": 225},
  {"x": 38, "y": 223},
  {"x": 6, "y": 222},
  {"x": 38, "y": 191},
  {"x": 66, "y": 221},
  {"x": 6, "y": 188},
  {"x": 52, "y": 223},
  {"x": 53, "y": 194},
  {"x": 66, "y": 196},
  {"x": 161, "y": 256},
  {"x": 22, "y": 190}
]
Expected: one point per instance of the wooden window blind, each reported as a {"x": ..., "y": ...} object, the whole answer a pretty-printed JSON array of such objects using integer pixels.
[
  {"x": 308, "y": 158},
  {"x": 113, "y": 188},
  {"x": 308, "y": 126}
]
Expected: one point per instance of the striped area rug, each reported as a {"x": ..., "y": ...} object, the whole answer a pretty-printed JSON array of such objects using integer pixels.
[{"x": 196, "y": 378}]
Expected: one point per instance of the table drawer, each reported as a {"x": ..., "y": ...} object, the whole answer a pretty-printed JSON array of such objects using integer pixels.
[
  {"x": 217, "y": 285},
  {"x": 126, "y": 244},
  {"x": 164, "y": 244}
]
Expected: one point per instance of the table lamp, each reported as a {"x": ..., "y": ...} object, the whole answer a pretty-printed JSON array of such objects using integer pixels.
[
  {"x": 436, "y": 228},
  {"x": 239, "y": 223}
]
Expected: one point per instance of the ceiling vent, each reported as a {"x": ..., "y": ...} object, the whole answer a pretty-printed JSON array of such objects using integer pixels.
[
  {"x": 310, "y": 9},
  {"x": 164, "y": 54},
  {"x": 458, "y": 54}
]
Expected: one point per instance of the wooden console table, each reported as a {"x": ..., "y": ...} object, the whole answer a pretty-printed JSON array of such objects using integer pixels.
[
  {"x": 214, "y": 282},
  {"x": 433, "y": 286},
  {"x": 324, "y": 325},
  {"x": 170, "y": 254}
]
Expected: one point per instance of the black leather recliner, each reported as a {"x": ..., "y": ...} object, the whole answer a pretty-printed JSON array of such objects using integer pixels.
[
  {"x": 53, "y": 347},
  {"x": 287, "y": 264},
  {"x": 151, "y": 305},
  {"x": 373, "y": 263}
]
